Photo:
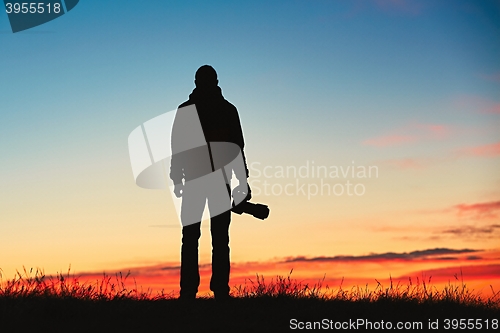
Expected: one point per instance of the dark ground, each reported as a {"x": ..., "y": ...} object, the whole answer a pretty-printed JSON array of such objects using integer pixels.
[{"x": 237, "y": 315}]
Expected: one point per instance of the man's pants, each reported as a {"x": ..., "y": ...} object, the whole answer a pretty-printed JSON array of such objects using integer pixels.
[
  {"x": 190, "y": 276},
  {"x": 193, "y": 204}
]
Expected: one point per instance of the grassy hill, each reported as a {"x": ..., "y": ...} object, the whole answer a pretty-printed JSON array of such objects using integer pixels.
[{"x": 62, "y": 304}]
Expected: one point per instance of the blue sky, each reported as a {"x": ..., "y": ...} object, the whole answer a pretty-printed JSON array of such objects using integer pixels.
[
  {"x": 296, "y": 62},
  {"x": 330, "y": 81}
]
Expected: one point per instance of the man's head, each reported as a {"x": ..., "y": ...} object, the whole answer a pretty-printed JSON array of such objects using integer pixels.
[{"x": 206, "y": 76}]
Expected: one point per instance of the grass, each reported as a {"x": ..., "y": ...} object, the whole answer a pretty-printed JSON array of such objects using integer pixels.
[
  {"x": 421, "y": 292},
  {"x": 35, "y": 284},
  {"x": 33, "y": 300}
]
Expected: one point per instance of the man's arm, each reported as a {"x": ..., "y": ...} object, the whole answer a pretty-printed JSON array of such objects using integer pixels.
[
  {"x": 238, "y": 139},
  {"x": 176, "y": 168}
]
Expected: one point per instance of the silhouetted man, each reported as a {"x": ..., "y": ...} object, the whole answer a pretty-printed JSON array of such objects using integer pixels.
[{"x": 194, "y": 173}]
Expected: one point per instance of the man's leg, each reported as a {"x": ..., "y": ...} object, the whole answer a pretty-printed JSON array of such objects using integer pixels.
[
  {"x": 219, "y": 228},
  {"x": 193, "y": 204},
  {"x": 219, "y": 205},
  {"x": 190, "y": 275}
]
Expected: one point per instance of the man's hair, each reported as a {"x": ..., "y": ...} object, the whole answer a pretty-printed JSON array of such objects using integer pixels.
[{"x": 206, "y": 76}]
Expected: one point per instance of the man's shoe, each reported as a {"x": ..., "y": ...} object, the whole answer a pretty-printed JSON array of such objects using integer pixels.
[
  {"x": 222, "y": 297},
  {"x": 187, "y": 297}
]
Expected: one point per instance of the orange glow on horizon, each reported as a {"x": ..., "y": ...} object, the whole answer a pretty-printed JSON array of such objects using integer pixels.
[{"x": 478, "y": 275}]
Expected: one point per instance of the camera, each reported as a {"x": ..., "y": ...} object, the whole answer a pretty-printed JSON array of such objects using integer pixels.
[{"x": 259, "y": 211}]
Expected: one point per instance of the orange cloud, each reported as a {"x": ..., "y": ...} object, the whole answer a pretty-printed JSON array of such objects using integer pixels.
[
  {"x": 479, "y": 279},
  {"x": 488, "y": 273},
  {"x": 478, "y": 210},
  {"x": 484, "y": 150}
]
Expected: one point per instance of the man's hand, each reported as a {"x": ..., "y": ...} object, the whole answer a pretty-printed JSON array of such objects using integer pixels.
[
  {"x": 178, "y": 190},
  {"x": 242, "y": 192}
]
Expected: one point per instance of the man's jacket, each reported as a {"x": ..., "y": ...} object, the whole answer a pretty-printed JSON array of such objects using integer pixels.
[{"x": 219, "y": 121}]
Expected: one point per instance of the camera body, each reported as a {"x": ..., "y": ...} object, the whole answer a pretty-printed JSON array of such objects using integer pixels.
[{"x": 259, "y": 211}]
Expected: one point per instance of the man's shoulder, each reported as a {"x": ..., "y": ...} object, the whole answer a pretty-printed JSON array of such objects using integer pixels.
[
  {"x": 186, "y": 103},
  {"x": 230, "y": 105},
  {"x": 227, "y": 105}
]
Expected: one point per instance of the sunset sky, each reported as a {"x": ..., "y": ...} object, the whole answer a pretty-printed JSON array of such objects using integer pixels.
[{"x": 409, "y": 90}]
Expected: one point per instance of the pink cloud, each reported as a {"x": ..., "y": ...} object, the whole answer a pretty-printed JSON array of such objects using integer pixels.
[
  {"x": 479, "y": 210},
  {"x": 489, "y": 150},
  {"x": 477, "y": 104},
  {"x": 419, "y": 163},
  {"x": 435, "y": 130},
  {"x": 494, "y": 108},
  {"x": 475, "y": 211},
  {"x": 411, "y": 133}
]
